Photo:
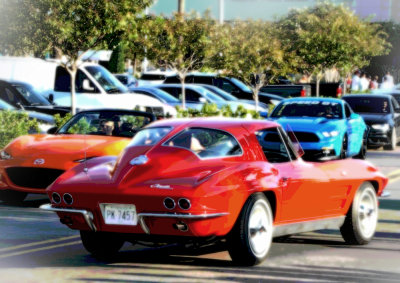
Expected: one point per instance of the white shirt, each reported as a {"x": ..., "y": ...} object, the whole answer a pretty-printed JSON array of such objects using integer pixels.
[{"x": 355, "y": 83}]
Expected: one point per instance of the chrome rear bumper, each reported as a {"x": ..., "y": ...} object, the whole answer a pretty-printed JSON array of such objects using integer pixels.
[{"x": 88, "y": 216}]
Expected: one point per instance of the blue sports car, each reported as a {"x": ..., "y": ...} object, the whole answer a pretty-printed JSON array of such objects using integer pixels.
[{"x": 325, "y": 127}]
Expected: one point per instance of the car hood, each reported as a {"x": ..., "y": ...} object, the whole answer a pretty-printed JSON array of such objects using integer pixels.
[
  {"x": 307, "y": 123},
  {"x": 376, "y": 118},
  {"x": 64, "y": 148}
]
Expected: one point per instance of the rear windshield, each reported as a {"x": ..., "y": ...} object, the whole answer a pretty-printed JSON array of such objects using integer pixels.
[
  {"x": 368, "y": 104},
  {"x": 206, "y": 143},
  {"x": 149, "y": 136}
]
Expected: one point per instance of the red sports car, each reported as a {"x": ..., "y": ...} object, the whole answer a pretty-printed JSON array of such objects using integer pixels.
[{"x": 198, "y": 180}]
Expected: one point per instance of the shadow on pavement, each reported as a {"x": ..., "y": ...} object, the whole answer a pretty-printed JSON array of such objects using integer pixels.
[{"x": 392, "y": 204}]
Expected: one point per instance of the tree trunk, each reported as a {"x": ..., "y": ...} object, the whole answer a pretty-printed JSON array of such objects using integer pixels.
[
  {"x": 317, "y": 86},
  {"x": 255, "y": 96},
  {"x": 182, "y": 78},
  {"x": 72, "y": 73}
]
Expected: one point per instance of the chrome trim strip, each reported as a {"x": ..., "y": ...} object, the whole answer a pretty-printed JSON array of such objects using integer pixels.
[
  {"x": 87, "y": 215},
  {"x": 146, "y": 229},
  {"x": 308, "y": 226}
]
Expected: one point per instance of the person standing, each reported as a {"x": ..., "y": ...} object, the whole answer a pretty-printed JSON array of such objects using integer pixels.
[
  {"x": 364, "y": 83},
  {"x": 389, "y": 79},
  {"x": 374, "y": 83},
  {"x": 386, "y": 84},
  {"x": 355, "y": 81}
]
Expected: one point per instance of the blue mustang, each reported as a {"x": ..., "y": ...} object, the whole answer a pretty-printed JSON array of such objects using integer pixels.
[{"x": 325, "y": 127}]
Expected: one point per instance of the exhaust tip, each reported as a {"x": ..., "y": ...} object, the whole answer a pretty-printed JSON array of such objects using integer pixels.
[
  {"x": 56, "y": 198},
  {"x": 181, "y": 226},
  {"x": 169, "y": 203},
  {"x": 68, "y": 198},
  {"x": 184, "y": 203}
]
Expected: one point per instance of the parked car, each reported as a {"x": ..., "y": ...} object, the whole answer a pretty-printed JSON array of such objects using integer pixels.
[
  {"x": 165, "y": 97},
  {"x": 30, "y": 163},
  {"x": 95, "y": 86},
  {"x": 381, "y": 113},
  {"x": 262, "y": 107},
  {"x": 325, "y": 127},
  {"x": 127, "y": 80},
  {"x": 154, "y": 77},
  {"x": 197, "y": 94},
  {"x": 231, "y": 85},
  {"x": 288, "y": 90},
  {"x": 25, "y": 97},
  {"x": 202, "y": 180},
  {"x": 45, "y": 121}
]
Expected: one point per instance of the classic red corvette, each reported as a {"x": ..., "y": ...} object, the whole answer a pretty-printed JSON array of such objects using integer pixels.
[
  {"x": 233, "y": 180},
  {"x": 30, "y": 163}
]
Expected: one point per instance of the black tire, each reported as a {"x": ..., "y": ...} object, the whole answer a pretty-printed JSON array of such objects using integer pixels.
[
  {"x": 343, "y": 150},
  {"x": 249, "y": 245},
  {"x": 14, "y": 197},
  {"x": 361, "y": 219},
  {"x": 101, "y": 244},
  {"x": 363, "y": 150},
  {"x": 393, "y": 141}
]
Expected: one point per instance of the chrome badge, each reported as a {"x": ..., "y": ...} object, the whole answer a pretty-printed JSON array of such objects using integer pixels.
[{"x": 38, "y": 161}]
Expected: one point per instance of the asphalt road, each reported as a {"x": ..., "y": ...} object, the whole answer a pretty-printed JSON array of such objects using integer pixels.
[{"x": 35, "y": 247}]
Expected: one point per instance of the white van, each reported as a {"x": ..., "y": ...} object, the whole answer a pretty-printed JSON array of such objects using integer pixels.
[{"x": 95, "y": 86}]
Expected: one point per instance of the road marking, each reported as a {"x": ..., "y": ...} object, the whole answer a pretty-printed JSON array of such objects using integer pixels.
[
  {"x": 39, "y": 243},
  {"x": 40, "y": 249},
  {"x": 393, "y": 173},
  {"x": 392, "y": 180}
]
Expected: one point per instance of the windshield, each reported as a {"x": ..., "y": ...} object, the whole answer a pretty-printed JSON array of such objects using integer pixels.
[
  {"x": 163, "y": 95},
  {"x": 32, "y": 97},
  {"x": 209, "y": 95},
  {"x": 326, "y": 109},
  {"x": 149, "y": 136},
  {"x": 369, "y": 104},
  {"x": 241, "y": 85},
  {"x": 220, "y": 92},
  {"x": 5, "y": 106},
  {"x": 105, "y": 123},
  {"x": 107, "y": 80}
]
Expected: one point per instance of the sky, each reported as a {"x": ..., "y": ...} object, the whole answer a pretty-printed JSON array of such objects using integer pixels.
[{"x": 378, "y": 10}]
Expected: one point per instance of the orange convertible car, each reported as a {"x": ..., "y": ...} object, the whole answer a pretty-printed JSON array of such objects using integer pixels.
[{"x": 31, "y": 163}]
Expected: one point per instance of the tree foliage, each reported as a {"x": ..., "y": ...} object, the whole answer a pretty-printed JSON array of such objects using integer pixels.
[
  {"x": 327, "y": 36},
  {"x": 249, "y": 50},
  {"x": 117, "y": 59},
  {"x": 66, "y": 27},
  {"x": 181, "y": 44}
]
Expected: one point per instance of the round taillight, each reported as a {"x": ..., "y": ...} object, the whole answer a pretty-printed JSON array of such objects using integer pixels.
[
  {"x": 184, "y": 203},
  {"x": 55, "y": 197},
  {"x": 169, "y": 203},
  {"x": 68, "y": 198}
]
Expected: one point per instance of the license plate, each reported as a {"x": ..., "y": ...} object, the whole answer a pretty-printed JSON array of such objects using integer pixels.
[{"x": 119, "y": 214}]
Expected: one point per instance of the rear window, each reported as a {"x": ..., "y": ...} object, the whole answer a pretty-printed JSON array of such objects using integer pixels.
[
  {"x": 368, "y": 104},
  {"x": 149, "y": 136},
  {"x": 206, "y": 143}
]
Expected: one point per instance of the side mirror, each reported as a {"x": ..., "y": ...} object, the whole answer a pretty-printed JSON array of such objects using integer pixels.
[
  {"x": 87, "y": 86},
  {"x": 264, "y": 114},
  {"x": 52, "y": 130},
  {"x": 202, "y": 100}
]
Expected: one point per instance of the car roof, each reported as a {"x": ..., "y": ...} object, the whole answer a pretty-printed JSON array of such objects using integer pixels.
[
  {"x": 383, "y": 95},
  {"x": 219, "y": 123}
]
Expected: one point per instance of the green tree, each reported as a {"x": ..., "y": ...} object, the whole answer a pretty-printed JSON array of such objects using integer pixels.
[
  {"x": 248, "y": 50},
  {"x": 181, "y": 44},
  {"x": 327, "y": 36},
  {"x": 66, "y": 26}
]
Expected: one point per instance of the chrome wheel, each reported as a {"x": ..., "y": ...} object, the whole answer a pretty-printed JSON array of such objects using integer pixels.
[
  {"x": 367, "y": 213},
  {"x": 260, "y": 228}
]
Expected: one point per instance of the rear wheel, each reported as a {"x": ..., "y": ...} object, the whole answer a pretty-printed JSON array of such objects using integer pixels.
[
  {"x": 363, "y": 150},
  {"x": 393, "y": 141},
  {"x": 101, "y": 244},
  {"x": 362, "y": 217},
  {"x": 250, "y": 239},
  {"x": 10, "y": 196}
]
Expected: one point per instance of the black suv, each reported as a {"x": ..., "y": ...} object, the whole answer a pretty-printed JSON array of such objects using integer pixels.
[{"x": 381, "y": 113}]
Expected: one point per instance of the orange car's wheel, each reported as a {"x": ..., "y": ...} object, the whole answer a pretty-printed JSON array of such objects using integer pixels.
[
  {"x": 250, "y": 239},
  {"x": 10, "y": 196},
  {"x": 101, "y": 244},
  {"x": 361, "y": 219}
]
